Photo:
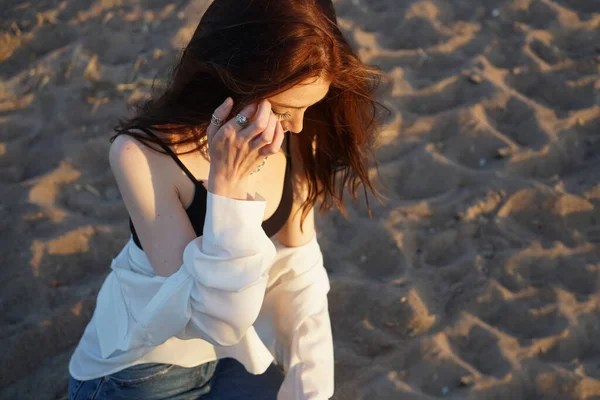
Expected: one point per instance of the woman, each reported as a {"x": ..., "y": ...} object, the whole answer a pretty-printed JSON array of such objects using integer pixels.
[{"x": 221, "y": 292}]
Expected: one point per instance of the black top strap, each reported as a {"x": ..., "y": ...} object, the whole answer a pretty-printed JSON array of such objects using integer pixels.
[{"x": 170, "y": 152}]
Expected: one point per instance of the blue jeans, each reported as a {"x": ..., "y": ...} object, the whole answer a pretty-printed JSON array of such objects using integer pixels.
[{"x": 226, "y": 379}]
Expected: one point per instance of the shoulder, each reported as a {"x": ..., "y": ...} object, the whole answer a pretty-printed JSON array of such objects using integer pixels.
[
  {"x": 126, "y": 151},
  {"x": 132, "y": 158},
  {"x": 141, "y": 171},
  {"x": 146, "y": 179}
]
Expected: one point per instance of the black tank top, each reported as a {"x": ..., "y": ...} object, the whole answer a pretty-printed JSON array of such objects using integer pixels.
[{"x": 197, "y": 210}]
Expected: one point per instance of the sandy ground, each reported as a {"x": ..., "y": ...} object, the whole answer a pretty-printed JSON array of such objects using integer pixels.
[{"x": 478, "y": 279}]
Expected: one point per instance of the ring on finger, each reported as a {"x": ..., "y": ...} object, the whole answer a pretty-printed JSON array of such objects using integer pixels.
[
  {"x": 242, "y": 120},
  {"x": 216, "y": 121}
]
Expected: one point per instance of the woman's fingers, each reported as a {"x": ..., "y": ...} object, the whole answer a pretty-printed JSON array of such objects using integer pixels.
[
  {"x": 222, "y": 112},
  {"x": 234, "y": 149},
  {"x": 231, "y": 128},
  {"x": 269, "y": 133},
  {"x": 275, "y": 145},
  {"x": 260, "y": 122},
  {"x": 266, "y": 136}
]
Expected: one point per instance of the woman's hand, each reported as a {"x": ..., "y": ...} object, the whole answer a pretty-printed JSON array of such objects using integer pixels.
[{"x": 235, "y": 151}]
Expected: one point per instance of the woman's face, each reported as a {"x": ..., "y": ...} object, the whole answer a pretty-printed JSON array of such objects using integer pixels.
[{"x": 290, "y": 106}]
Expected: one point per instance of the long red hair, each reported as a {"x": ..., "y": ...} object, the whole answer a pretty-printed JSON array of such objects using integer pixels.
[{"x": 254, "y": 49}]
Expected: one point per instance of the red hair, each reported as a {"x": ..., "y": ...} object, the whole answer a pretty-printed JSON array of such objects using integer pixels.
[{"x": 251, "y": 50}]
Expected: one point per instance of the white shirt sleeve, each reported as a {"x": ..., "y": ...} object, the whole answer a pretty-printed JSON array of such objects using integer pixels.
[
  {"x": 296, "y": 300},
  {"x": 216, "y": 295}
]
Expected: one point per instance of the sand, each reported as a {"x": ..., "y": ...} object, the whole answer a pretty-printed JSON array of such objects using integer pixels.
[{"x": 477, "y": 279}]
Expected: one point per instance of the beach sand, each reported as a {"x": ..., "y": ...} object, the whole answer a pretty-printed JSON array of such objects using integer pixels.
[{"x": 477, "y": 279}]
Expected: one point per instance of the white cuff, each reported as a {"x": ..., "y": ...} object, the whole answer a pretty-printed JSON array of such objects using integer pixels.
[
  {"x": 234, "y": 251},
  {"x": 231, "y": 224}
]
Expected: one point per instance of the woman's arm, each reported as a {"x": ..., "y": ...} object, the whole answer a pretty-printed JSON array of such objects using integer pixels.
[
  {"x": 147, "y": 182},
  {"x": 211, "y": 287},
  {"x": 302, "y": 327},
  {"x": 298, "y": 302}
]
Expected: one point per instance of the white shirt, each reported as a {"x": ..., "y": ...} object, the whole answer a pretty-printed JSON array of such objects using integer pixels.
[{"x": 238, "y": 294}]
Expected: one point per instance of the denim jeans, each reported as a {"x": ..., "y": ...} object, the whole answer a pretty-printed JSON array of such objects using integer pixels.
[{"x": 226, "y": 379}]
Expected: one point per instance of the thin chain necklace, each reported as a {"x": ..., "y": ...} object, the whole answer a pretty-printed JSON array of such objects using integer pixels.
[{"x": 204, "y": 150}]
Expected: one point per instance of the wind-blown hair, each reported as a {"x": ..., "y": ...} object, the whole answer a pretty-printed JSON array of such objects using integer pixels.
[{"x": 254, "y": 49}]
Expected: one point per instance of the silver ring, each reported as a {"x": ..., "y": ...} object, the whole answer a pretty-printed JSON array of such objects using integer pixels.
[
  {"x": 216, "y": 121},
  {"x": 242, "y": 120}
]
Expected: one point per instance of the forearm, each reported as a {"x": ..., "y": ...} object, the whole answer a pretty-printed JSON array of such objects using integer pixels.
[
  {"x": 215, "y": 295},
  {"x": 230, "y": 265},
  {"x": 310, "y": 366},
  {"x": 298, "y": 302},
  {"x": 227, "y": 188}
]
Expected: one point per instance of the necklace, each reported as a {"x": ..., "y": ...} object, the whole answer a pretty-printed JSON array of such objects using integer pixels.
[{"x": 204, "y": 150}]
